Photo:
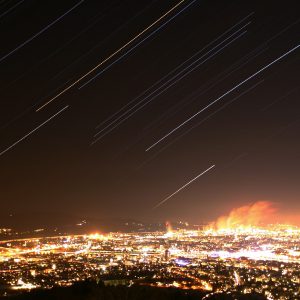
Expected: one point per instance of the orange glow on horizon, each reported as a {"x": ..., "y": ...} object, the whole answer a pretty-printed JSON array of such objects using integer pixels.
[{"x": 256, "y": 215}]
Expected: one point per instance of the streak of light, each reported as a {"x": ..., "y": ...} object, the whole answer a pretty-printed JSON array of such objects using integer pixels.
[
  {"x": 97, "y": 18},
  {"x": 184, "y": 186},
  {"x": 208, "y": 86},
  {"x": 212, "y": 114},
  {"x": 222, "y": 96},
  {"x": 32, "y": 131},
  {"x": 40, "y": 32},
  {"x": 171, "y": 72},
  {"x": 198, "y": 124},
  {"x": 193, "y": 96},
  {"x": 263, "y": 47},
  {"x": 80, "y": 58},
  {"x": 138, "y": 44},
  {"x": 162, "y": 91},
  {"x": 221, "y": 108},
  {"x": 176, "y": 75},
  {"x": 198, "y": 92},
  {"x": 112, "y": 55},
  {"x": 29, "y": 108},
  {"x": 57, "y": 50},
  {"x": 11, "y": 8}
]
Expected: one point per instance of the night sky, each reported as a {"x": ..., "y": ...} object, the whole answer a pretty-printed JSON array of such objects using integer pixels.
[{"x": 175, "y": 72}]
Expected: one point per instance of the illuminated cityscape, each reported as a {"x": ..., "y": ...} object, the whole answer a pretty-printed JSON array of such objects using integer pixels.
[{"x": 262, "y": 260}]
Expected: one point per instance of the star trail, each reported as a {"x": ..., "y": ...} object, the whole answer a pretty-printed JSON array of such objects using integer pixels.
[{"x": 108, "y": 107}]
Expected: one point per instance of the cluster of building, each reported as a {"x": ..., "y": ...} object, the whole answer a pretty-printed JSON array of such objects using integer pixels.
[{"x": 265, "y": 261}]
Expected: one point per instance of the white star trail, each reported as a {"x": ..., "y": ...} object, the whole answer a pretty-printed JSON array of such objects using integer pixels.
[
  {"x": 207, "y": 86},
  {"x": 40, "y": 32},
  {"x": 222, "y": 96},
  {"x": 130, "y": 113},
  {"x": 11, "y": 8},
  {"x": 172, "y": 71},
  {"x": 114, "y": 53},
  {"x": 184, "y": 186},
  {"x": 32, "y": 131},
  {"x": 210, "y": 115},
  {"x": 168, "y": 84},
  {"x": 30, "y": 107},
  {"x": 138, "y": 44}
]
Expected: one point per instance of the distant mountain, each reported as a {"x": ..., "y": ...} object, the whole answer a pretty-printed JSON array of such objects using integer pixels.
[
  {"x": 33, "y": 220},
  {"x": 50, "y": 223}
]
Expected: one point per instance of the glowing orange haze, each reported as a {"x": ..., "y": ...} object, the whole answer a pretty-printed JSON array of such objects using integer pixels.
[{"x": 258, "y": 214}]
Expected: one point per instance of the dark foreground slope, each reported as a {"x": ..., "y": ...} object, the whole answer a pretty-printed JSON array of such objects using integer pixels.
[{"x": 93, "y": 291}]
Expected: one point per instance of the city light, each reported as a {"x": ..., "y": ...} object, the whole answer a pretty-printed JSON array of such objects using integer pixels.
[{"x": 253, "y": 259}]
